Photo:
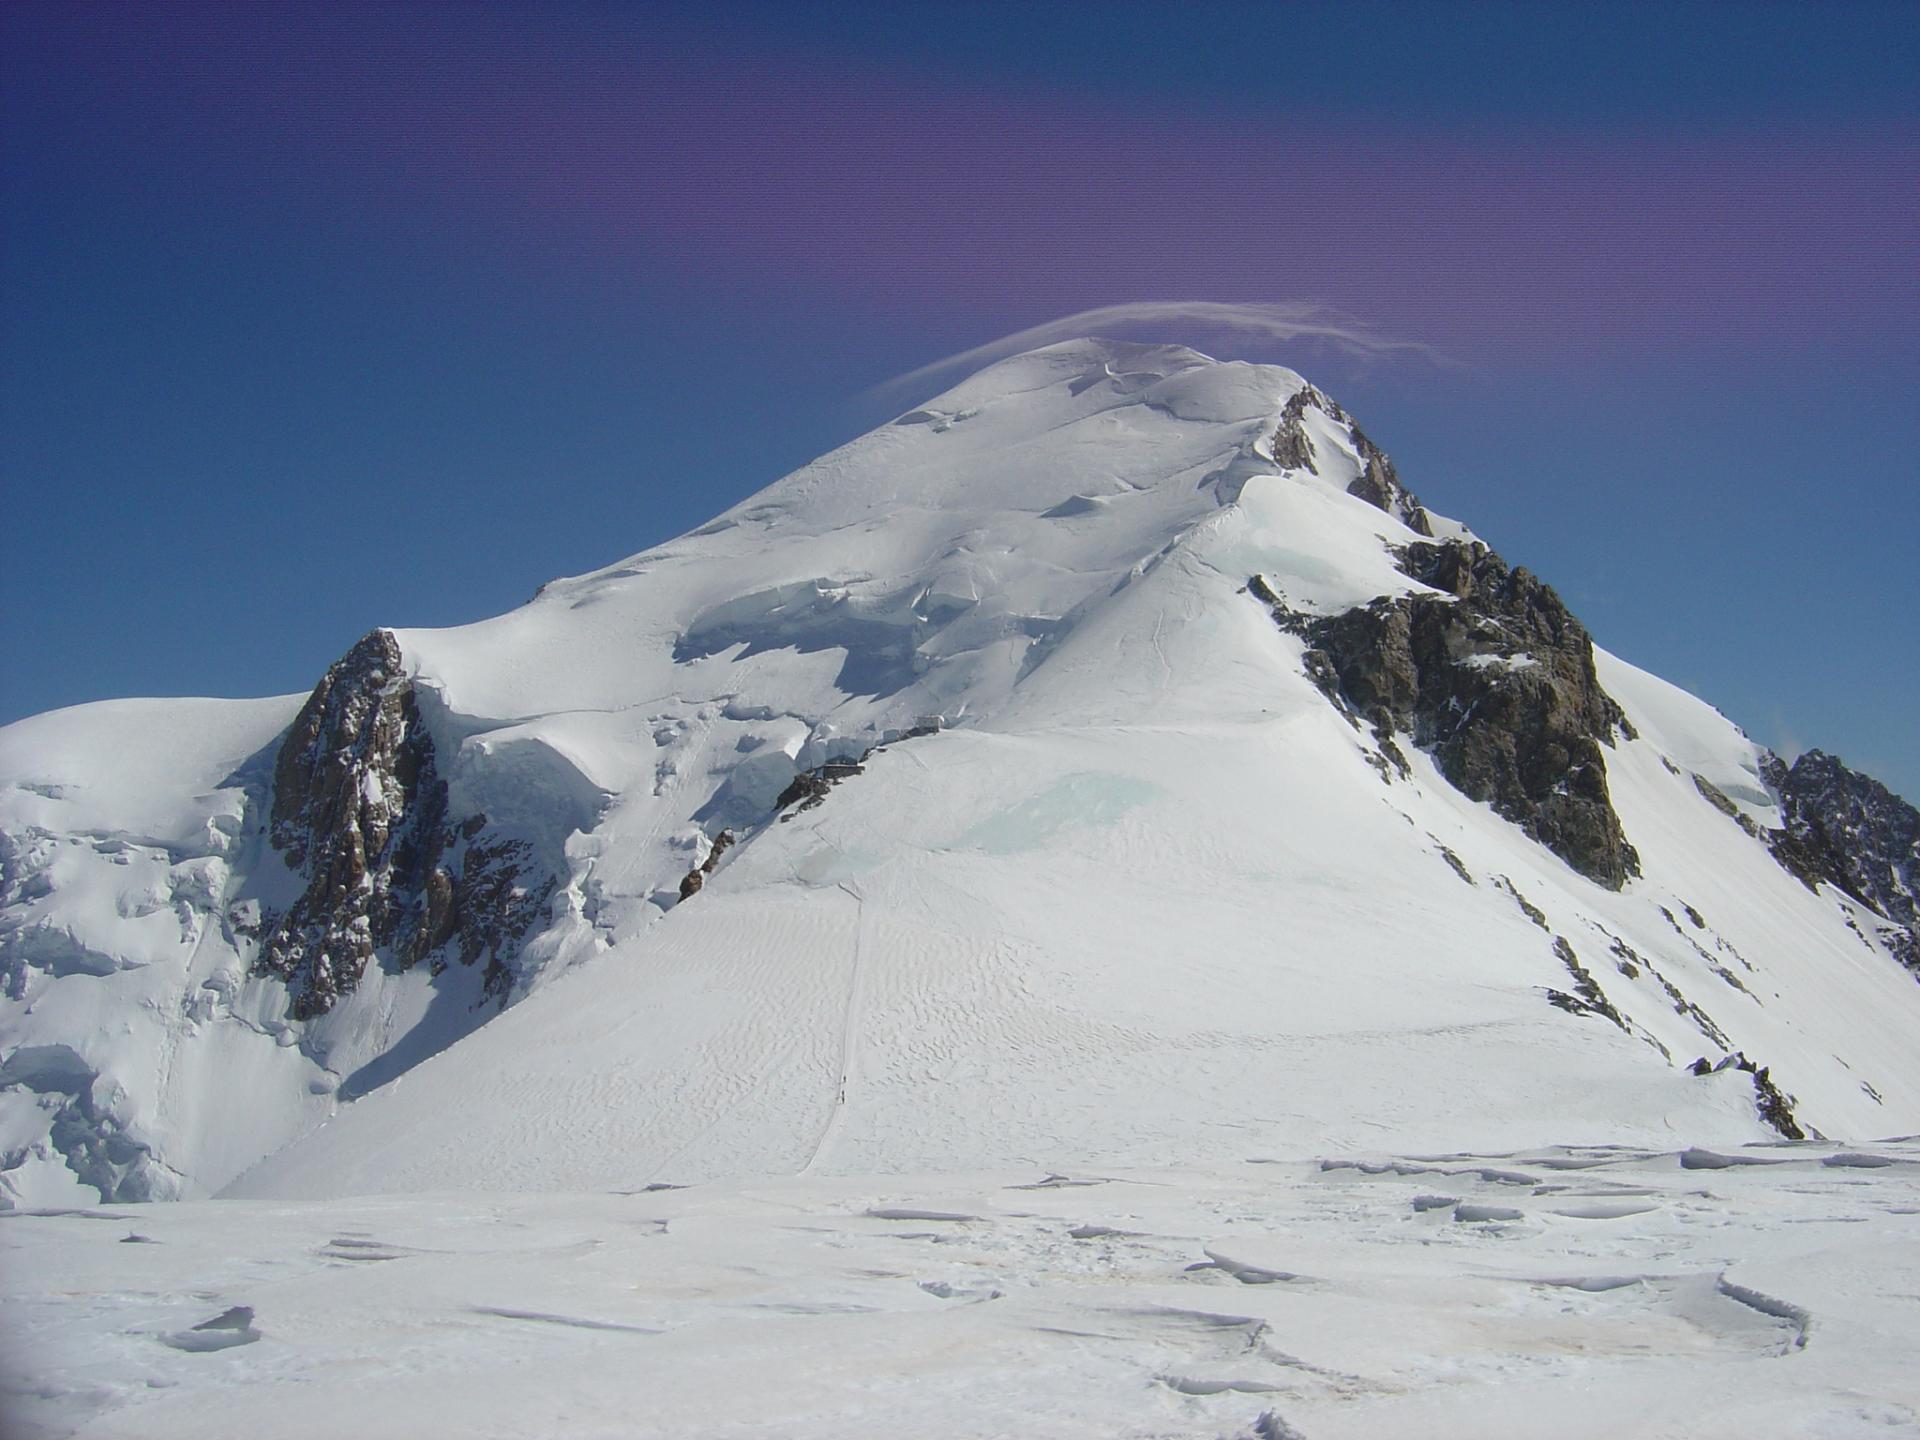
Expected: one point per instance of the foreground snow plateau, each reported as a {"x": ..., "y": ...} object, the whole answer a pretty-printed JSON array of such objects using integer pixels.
[{"x": 1750, "y": 1292}]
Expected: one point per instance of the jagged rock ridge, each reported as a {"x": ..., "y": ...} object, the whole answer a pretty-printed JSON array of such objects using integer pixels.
[
  {"x": 1846, "y": 828},
  {"x": 360, "y": 810},
  {"x": 1497, "y": 681},
  {"x": 1378, "y": 483}
]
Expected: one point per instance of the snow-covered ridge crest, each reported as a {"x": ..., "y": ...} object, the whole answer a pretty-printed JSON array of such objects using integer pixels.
[{"x": 965, "y": 764}]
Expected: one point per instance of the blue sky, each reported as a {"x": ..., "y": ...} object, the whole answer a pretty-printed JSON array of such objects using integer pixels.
[{"x": 317, "y": 319}]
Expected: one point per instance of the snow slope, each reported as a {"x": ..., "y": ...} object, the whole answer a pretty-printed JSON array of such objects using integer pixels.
[{"x": 1135, "y": 893}]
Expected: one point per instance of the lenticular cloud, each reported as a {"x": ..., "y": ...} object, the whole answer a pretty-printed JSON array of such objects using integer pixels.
[{"x": 1265, "y": 319}]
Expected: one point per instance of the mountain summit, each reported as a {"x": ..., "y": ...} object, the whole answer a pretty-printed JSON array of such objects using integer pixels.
[{"x": 1110, "y": 760}]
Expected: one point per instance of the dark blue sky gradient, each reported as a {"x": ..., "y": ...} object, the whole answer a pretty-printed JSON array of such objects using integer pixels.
[
  {"x": 320, "y": 319},
  {"x": 1607, "y": 67}
]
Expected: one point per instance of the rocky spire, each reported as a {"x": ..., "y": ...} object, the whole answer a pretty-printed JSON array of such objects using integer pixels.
[{"x": 360, "y": 810}]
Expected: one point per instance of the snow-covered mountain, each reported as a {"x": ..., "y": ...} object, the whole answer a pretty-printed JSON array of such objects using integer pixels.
[{"x": 1108, "y": 761}]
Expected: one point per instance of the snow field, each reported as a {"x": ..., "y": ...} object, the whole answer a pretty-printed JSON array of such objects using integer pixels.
[
  {"x": 1111, "y": 945},
  {"x": 1752, "y": 1293}
]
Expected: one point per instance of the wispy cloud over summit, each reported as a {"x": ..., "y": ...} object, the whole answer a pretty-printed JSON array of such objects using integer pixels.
[{"x": 1175, "y": 320}]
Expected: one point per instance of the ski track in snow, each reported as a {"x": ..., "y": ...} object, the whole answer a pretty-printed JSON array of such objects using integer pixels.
[
  {"x": 849, "y": 1031},
  {"x": 1328, "y": 1296}
]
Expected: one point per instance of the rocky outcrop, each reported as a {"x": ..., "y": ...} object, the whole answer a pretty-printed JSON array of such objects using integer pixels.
[
  {"x": 810, "y": 787},
  {"x": 1904, "y": 946},
  {"x": 360, "y": 811},
  {"x": 1718, "y": 798},
  {"x": 1495, "y": 677},
  {"x": 1774, "y": 1104},
  {"x": 1849, "y": 830},
  {"x": 1377, "y": 483},
  {"x": 694, "y": 879},
  {"x": 13, "y": 882},
  {"x": 1292, "y": 448},
  {"x": 1589, "y": 998}
]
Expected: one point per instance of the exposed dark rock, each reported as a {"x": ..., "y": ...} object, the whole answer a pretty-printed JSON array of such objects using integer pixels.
[
  {"x": 1592, "y": 999},
  {"x": 1292, "y": 449},
  {"x": 697, "y": 877},
  {"x": 359, "y": 809},
  {"x": 1773, "y": 1103},
  {"x": 1627, "y": 960},
  {"x": 1377, "y": 484},
  {"x": 1527, "y": 908},
  {"x": 1458, "y": 865},
  {"x": 1380, "y": 487},
  {"x": 1717, "y": 798},
  {"x": 1904, "y": 946},
  {"x": 1804, "y": 859},
  {"x": 1707, "y": 956},
  {"x": 1631, "y": 963},
  {"x": 810, "y": 787},
  {"x": 1702, "y": 1021},
  {"x": 1261, "y": 590},
  {"x": 1849, "y": 830},
  {"x": 805, "y": 790},
  {"x": 498, "y": 894},
  {"x": 13, "y": 876},
  {"x": 1497, "y": 682}
]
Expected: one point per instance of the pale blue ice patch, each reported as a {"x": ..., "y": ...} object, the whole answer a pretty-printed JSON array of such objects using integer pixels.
[{"x": 1088, "y": 798}]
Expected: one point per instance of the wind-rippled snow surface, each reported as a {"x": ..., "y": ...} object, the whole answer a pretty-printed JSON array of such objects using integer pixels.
[{"x": 1754, "y": 1291}]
